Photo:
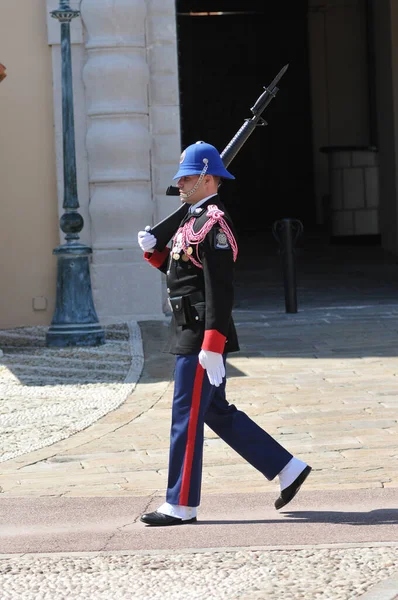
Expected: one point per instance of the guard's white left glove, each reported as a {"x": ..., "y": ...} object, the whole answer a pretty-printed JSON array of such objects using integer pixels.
[
  {"x": 146, "y": 241},
  {"x": 214, "y": 365}
]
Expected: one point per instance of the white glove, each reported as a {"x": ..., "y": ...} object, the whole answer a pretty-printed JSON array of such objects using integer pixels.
[
  {"x": 146, "y": 241},
  {"x": 214, "y": 365}
]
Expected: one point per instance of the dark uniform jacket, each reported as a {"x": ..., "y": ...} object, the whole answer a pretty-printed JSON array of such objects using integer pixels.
[{"x": 201, "y": 299}]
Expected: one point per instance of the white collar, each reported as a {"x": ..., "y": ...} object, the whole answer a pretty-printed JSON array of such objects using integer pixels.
[{"x": 195, "y": 206}]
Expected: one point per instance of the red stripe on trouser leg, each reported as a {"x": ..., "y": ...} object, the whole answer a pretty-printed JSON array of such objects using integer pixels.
[{"x": 191, "y": 436}]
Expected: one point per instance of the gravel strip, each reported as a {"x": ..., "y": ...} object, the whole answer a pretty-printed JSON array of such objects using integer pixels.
[
  {"x": 309, "y": 574},
  {"x": 48, "y": 394}
]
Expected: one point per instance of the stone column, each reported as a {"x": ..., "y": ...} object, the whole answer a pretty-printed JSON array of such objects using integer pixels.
[
  {"x": 116, "y": 78},
  {"x": 164, "y": 103},
  {"x": 164, "y": 106},
  {"x": 354, "y": 190}
]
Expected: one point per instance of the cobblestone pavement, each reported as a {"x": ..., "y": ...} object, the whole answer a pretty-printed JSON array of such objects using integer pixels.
[
  {"x": 310, "y": 574},
  {"x": 48, "y": 394}
]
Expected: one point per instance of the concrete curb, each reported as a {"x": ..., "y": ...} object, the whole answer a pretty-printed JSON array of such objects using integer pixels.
[
  {"x": 341, "y": 546},
  {"x": 385, "y": 590},
  {"x": 137, "y": 353}
]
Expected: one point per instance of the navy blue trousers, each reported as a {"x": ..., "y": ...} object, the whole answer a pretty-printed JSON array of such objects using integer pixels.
[{"x": 196, "y": 402}]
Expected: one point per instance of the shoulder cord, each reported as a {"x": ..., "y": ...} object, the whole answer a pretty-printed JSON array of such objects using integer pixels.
[{"x": 190, "y": 238}]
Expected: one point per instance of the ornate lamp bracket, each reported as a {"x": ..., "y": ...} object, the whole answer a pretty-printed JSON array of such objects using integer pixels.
[{"x": 64, "y": 13}]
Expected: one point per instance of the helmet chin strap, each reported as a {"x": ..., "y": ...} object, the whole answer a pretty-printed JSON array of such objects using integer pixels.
[{"x": 187, "y": 195}]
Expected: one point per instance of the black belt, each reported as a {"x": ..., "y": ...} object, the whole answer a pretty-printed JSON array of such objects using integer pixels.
[
  {"x": 184, "y": 309},
  {"x": 193, "y": 298},
  {"x": 196, "y": 297}
]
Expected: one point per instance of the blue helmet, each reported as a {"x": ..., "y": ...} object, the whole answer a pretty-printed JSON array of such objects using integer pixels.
[{"x": 197, "y": 157}]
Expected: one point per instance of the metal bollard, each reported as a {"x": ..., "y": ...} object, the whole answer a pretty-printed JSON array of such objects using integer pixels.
[{"x": 286, "y": 233}]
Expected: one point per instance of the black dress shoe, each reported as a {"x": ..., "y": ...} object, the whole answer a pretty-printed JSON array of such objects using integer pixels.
[
  {"x": 159, "y": 519},
  {"x": 289, "y": 493}
]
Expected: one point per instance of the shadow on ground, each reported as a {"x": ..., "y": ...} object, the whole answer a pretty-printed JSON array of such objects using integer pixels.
[{"x": 383, "y": 516}]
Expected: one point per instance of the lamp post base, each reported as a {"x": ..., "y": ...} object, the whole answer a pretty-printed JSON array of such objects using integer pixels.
[
  {"x": 74, "y": 335},
  {"x": 75, "y": 321}
]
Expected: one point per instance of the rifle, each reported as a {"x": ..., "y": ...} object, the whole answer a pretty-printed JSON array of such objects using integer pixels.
[{"x": 165, "y": 230}]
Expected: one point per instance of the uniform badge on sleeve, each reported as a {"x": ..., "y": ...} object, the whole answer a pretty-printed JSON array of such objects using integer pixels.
[{"x": 220, "y": 239}]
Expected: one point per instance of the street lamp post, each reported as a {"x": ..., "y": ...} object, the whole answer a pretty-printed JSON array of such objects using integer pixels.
[{"x": 75, "y": 322}]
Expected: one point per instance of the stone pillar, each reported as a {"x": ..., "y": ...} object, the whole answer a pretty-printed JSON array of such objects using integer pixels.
[
  {"x": 116, "y": 78},
  {"x": 164, "y": 106},
  {"x": 354, "y": 190},
  {"x": 164, "y": 103}
]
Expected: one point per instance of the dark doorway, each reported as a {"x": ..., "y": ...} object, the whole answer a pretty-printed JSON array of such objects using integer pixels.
[{"x": 225, "y": 60}]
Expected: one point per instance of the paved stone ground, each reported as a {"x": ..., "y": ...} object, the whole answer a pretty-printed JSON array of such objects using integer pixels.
[
  {"x": 323, "y": 381},
  {"x": 324, "y": 384}
]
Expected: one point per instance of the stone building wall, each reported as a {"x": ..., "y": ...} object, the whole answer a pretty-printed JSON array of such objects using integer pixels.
[
  {"x": 127, "y": 142},
  {"x": 28, "y": 189},
  {"x": 127, "y": 119}
]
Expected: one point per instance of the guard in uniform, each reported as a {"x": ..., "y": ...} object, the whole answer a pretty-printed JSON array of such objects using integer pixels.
[{"x": 199, "y": 268}]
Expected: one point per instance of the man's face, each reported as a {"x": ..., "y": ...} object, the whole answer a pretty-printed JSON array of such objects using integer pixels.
[{"x": 185, "y": 185}]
